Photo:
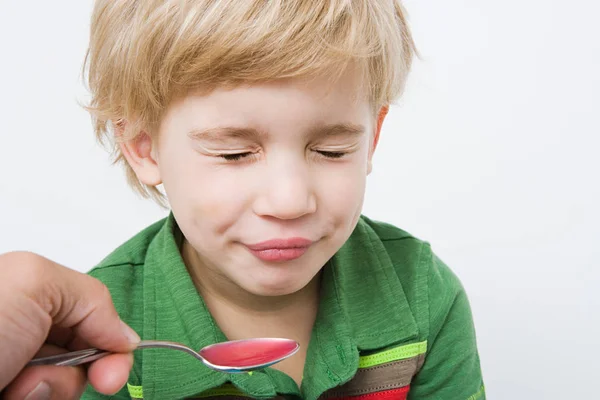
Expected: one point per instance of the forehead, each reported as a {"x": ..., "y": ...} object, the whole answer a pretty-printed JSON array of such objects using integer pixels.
[{"x": 323, "y": 97}]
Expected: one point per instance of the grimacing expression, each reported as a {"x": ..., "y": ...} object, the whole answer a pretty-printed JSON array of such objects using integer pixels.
[{"x": 266, "y": 181}]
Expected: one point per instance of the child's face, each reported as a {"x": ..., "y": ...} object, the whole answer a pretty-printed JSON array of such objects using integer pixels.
[{"x": 278, "y": 161}]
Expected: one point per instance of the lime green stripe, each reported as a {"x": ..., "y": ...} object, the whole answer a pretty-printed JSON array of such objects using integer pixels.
[
  {"x": 226, "y": 390},
  {"x": 477, "y": 395},
  {"x": 395, "y": 354},
  {"x": 135, "y": 391}
]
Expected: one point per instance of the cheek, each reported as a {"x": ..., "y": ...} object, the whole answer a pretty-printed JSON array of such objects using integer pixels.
[
  {"x": 341, "y": 192},
  {"x": 201, "y": 193},
  {"x": 219, "y": 203}
]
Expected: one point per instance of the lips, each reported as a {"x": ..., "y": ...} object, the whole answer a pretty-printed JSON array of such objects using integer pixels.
[{"x": 278, "y": 250}]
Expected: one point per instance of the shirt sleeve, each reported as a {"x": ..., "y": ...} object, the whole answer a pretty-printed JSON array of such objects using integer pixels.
[{"x": 451, "y": 369}]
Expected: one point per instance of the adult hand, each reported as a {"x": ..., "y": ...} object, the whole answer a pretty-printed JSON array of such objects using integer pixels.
[{"x": 46, "y": 309}]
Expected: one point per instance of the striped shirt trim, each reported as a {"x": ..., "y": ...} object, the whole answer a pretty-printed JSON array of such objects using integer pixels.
[{"x": 393, "y": 355}]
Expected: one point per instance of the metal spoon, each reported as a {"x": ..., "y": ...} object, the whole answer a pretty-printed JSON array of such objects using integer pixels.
[{"x": 232, "y": 356}]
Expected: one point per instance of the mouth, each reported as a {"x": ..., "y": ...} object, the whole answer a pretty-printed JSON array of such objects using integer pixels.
[{"x": 278, "y": 250}]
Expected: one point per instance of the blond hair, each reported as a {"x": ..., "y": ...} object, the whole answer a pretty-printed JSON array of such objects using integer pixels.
[{"x": 143, "y": 53}]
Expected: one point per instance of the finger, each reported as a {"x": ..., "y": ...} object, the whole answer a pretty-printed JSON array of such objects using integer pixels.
[
  {"x": 84, "y": 304},
  {"x": 62, "y": 382},
  {"x": 54, "y": 382},
  {"x": 109, "y": 374}
]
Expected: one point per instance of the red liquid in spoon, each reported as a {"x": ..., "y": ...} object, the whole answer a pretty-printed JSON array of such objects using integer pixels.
[{"x": 248, "y": 353}]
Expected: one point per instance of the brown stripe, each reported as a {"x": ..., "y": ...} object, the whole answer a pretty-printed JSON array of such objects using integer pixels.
[
  {"x": 420, "y": 362},
  {"x": 392, "y": 375}
]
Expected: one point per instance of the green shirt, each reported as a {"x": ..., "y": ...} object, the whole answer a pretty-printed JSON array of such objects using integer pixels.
[{"x": 393, "y": 323}]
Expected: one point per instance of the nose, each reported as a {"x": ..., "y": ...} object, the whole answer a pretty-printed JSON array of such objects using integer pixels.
[{"x": 286, "y": 192}]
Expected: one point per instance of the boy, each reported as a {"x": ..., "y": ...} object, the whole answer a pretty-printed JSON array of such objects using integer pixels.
[{"x": 260, "y": 119}]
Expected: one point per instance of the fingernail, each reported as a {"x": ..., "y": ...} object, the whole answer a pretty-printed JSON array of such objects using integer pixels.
[
  {"x": 42, "y": 391},
  {"x": 130, "y": 333}
]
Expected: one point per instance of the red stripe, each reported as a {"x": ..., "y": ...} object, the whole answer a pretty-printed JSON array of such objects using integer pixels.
[{"x": 394, "y": 394}]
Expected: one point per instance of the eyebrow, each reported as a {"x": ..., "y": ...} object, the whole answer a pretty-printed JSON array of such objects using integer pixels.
[
  {"x": 345, "y": 128},
  {"x": 226, "y": 132},
  {"x": 232, "y": 132}
]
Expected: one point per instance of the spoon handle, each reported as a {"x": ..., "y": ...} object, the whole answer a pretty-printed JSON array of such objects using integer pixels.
[
  {"x": 70, "y": 359},
  {"x": 88, "y": 355}
]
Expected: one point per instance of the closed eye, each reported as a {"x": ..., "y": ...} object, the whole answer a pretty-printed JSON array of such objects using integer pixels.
[
  {"x": 235, "y": 156},
  {"x": 332, "y": 154}
]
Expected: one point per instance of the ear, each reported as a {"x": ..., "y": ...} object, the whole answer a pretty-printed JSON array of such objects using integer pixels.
[
  {"x": 380, "y": 118},
  {"x": 140, "y": 155}
]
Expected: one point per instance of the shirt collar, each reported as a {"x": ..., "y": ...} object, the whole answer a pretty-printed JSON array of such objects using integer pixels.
[{"x": 371, "y": 292}]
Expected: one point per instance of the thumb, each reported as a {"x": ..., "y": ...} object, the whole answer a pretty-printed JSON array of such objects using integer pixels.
[{"x": 84, "y": 304}]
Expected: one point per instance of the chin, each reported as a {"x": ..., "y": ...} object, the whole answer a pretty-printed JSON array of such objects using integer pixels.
[
  {"x": 273, "y": 290},
  {"x": 276, "y": 287}
]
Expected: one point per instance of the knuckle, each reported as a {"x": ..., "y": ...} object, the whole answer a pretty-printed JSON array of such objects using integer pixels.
[
  {"x": 100, "y": 296},
  {"x": 103, "y": 291}
]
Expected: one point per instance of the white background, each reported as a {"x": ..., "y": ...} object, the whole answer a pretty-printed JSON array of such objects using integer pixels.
[{"x": 491, "y": 157}]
